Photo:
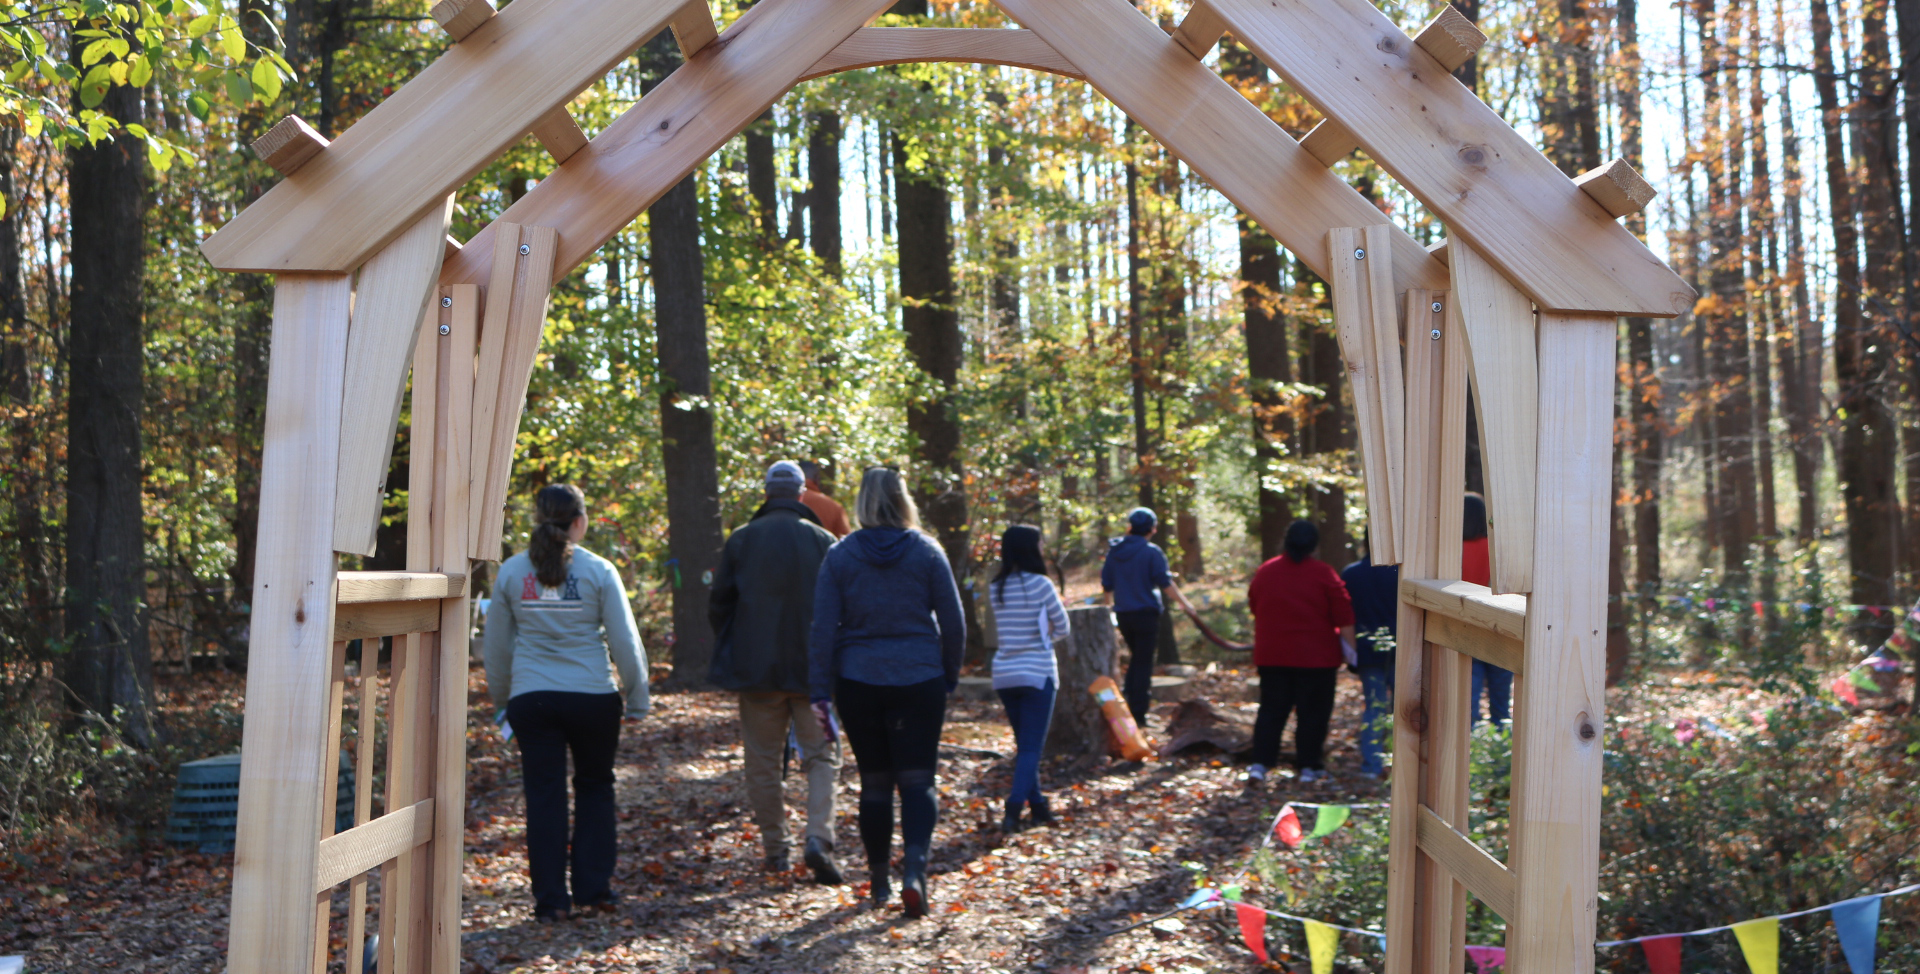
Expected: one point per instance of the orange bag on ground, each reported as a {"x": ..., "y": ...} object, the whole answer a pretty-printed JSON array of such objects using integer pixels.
[{"x": 1127, "y": 737}]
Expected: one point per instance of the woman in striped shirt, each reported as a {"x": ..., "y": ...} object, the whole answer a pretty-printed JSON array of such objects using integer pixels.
[{"x": 1028, "y": 616}]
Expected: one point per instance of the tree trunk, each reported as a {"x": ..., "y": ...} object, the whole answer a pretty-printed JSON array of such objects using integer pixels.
[
  {"x": 1136, "y": 347},
  {"x": 1909, "y": 38},
  {"x": 1763, "y": 266},
  {"x": 109, "y": 667},
  {"x": 1644, "y": 389},
  {"x": 1090, "y": 651},
  {"x": 763, "y": 175},
  {"x": 1864, "y": 455},
  {"x": 1801, "y": 366},
  {"x": 1327, "y": 429},
  {"x": 27, "y": 482},
  {"x": 823, "y": 192}
]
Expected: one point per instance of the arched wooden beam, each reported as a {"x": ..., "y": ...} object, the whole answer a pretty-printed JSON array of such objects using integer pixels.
[{"x": 871, "y": 47}]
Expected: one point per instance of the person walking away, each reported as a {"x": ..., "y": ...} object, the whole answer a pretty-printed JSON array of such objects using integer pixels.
[
  {"x": 1302, "y": 615},
  {"x": 1133, "y": 578},
  {"x": 559, "y": 632},
  {"x": 762, "y": 614},
  {"x": 1028, "y": 617},
  {"x": 832, "y": 516},
  {"x": 1475, "y": 567},
  {"x": 1375, "y": 591},
  {"x": 887, "y": 640}
]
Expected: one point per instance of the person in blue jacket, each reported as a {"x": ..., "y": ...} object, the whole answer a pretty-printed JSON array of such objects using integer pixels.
[
  {"x": 1133, "y": 578},
  {"x": 1375, "y": 590},
  {"x": 888, "y": 635}
]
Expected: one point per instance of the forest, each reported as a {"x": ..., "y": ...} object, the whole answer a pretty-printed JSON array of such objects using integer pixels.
[{"x": 995, "y": 281}]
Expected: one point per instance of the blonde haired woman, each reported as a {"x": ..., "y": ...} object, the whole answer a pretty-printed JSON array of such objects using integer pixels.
[{"x": 887, "y": 640}]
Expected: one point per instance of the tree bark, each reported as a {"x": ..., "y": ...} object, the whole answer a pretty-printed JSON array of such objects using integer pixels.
[
  {"x": 763, "y": 175},
  {"x": 1644, "y": 388},
  {"x": 823, "y": 192},
  {"x": 110, "y": 668},
  {"x": 1327, "y": 429},
  {"x": 1136, "y": 343},
  {"x": 1801, "y": 365},
  {"x": 27, "y": 480}
]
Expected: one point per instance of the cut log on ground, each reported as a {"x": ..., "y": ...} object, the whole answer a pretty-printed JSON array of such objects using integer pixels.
[{"x": 1197, "y": 722}]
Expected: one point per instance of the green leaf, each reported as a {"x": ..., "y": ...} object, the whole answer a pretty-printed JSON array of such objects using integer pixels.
[
  {"x": 238, "y": 89},
  {"x": 94, "y": 52},
  {"x": 198, "y": 106},
  {"x": 200, "y": 25},
  {"x": 138, "y": 130},
  {"x": 266, "y": 81},
  {"x": 159, "y": 154},
  {"x": 93, "y": 89},
  {"x": 33, "y": 123},
  {"x": 18, "y": 70},
  {"x": 231, "y": 42},
  {"x": 140, "y": 72}
]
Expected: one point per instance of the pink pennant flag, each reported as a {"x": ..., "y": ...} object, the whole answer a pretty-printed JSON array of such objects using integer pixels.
[
  {"x": 1759, "y": 608},
  {"x": 1287, "y": 827},
  {"x": 1253, "y": 929},
  {"x": 1845, "y": 690},
  {"x": 1663, "y": 954},
  {"x": 1487, "y": 959}
]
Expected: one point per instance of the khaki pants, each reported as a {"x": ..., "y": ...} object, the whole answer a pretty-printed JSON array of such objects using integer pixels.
[{"x": 764, "y": 719}]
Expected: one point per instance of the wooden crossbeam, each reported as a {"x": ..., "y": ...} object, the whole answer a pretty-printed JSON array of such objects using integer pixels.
[
  {"x": 1484, "y": 645},
  {"x": 1499, "y": 324},
  {"x": 288, "y": 145},
  {"x": 693, "y": 27},
  {"x": 1200, "y": 29},
  {"x": 557, "y": 132},
  {"x": 1451, "y": 38},
  {"x": 377, "y": 620},
  {"x": 358, "y": 849},
  {"x": 353, "y": 587},
  {"x": 1486, "y": 181},
  {"x": 1483, "y": 875},
  {"x": 1475, "y": 605},
  {"x": 1617, "y": 188},
  {"x": 875, "y": 46}
]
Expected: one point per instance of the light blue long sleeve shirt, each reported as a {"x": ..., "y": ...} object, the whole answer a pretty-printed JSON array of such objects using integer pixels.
[{"x": 576, "y": 637}]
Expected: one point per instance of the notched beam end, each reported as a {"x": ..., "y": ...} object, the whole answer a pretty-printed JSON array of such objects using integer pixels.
[
  {"x": 1329, "y": 142},
  {"x": 288, "y": 145},
  {"x": 693, "y": 28},
  {"x": 1200, "y": 30},
  {"x": 1451, "y": 38},
  {"x": 559, "y": 134},
  {"x": 453, "y": 247},
  {"x": 1617, "y": 188},
  {"x": 1439, "y": 250},
  {"x": 460, "y": 17}
]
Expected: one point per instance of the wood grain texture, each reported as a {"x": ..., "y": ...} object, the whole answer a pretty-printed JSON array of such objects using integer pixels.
[
  {"x": 559, "y": 134},
  {"x": 1451, "y": 38},
  {"x": 397, "y": 586},
  {"x": 435, "y": 133},
  {"x": 288, "y": 766},
  {"x": 389, "y": 303},
  {"x": 1367, "y": 327},
  {"x": 1215, "y": 130},
  {"x": 1486, "y": 181},
  {"x": 522, "y": 316},
  {"x": 1483, "y": 875},
  {"x": 645, "y": 151},
  {"x": 1499, "y": 326},
  {"x": 288, "y": 145},
  {"x": 374, "y": 620},
  {"x": 1617, "y": 188},
  {"x": 874, "y": 46},
  {"x": 1561, "y": 721},
  {"x": 1200, "y": 29},
  {"x": 693, "y": 27},
  {"x": 498, "y": 298},
  {"x": 1476, "y": 605},
  {"x": 365, "y": 846},
  {"x": 1484, "y": 645},
  {"x": 460, "y": 17}
]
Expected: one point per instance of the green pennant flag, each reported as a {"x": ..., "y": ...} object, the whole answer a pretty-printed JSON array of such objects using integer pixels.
[
  {"x": 1330, "y": 818},
  {"x": 1760, "y": 943}
]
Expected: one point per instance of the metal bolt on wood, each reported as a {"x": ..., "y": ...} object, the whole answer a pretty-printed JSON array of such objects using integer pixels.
[
  {"x": 1436, "y": 307},
  {"x": 446, "y": 302},
  {"x": 525, "y": 250},
  {"x": 446, "y": 329},
  {"x": 1359, "y": 253},
  {"x": 1436, "y": 332}
]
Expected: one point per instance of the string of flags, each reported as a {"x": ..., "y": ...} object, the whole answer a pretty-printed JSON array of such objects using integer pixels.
[{"x": 1856, "y": 921}]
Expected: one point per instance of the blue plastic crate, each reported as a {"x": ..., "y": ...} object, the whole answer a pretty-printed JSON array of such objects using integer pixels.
[{"x": 206, "y": 802}]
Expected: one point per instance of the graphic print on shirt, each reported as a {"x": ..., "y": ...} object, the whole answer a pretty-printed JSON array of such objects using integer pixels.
[{"x": 535, "y": 597}]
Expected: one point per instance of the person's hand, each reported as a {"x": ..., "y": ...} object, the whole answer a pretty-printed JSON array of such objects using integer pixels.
[
  {"x": 1348, "y": 652},
  {"x": 823, "y": 712}
]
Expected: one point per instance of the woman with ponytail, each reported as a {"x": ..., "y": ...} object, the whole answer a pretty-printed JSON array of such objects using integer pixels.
[
  {"x": 564, "y": 659},
  {"x": 1302, "y": 632},
  {"x": 1028, "y": 618}
]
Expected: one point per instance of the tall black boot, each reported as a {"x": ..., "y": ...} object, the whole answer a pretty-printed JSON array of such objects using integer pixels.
[
  {"x": 913, "y": 882},
  {"x": 1011, "y": 823}
]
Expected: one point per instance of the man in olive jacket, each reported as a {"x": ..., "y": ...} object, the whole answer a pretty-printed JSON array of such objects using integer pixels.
[{"x": 762, "y": 613}]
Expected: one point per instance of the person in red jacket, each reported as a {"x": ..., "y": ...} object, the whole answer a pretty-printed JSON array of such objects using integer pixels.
[{"x": 1302, "y": 628}]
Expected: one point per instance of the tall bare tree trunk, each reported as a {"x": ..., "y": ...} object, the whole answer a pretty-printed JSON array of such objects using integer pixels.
[
  {"x": 763, "y": 175},
  {"x": 109, "y": 668},
  {"x": 1804, "y": 348},
  {"x": 1883, "y": 230},
  {"x": 823, "y": 193},
  {"x": 1136, "y": 342},
  {"x": 1326, "y": 428},
  {"x": 35, "y": 569},
  {"x": 1644, "y": 389}
]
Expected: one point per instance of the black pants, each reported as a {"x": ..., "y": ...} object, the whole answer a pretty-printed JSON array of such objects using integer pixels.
[
  {"x": 1308, "y": 690},
  {"x": 895, "y": 734},
  {"x": 1141, "y": 629},
  {"x": 549, "y": 723}
]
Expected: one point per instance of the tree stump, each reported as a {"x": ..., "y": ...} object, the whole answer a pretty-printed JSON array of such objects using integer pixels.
[{"x": 1089, "y": 652}]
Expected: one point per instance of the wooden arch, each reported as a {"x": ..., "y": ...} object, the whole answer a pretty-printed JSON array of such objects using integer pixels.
[{"x": 1528, "y": 288}]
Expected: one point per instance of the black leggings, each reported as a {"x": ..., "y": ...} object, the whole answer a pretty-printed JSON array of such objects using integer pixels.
[
  {"x": 547, "y": 724},
  {"x": 895, "y": 734},
  {"x": 1141, "y": 629},
  {"x": 1309, "y": 690}
]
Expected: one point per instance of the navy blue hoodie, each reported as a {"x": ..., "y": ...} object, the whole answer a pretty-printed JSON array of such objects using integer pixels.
[
  {"x": 1135, "y": 572},
  {"x": 886, "y": 612}
]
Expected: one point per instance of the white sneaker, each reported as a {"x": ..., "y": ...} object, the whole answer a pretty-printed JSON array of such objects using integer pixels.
[{"x": 1257, "y": 772}]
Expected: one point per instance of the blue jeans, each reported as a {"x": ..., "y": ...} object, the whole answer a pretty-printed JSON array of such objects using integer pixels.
[
  {"x": 1376, "y": 686},
  {"x": 1498, "y": 684},
  {"x": 1029, "y": 710}
]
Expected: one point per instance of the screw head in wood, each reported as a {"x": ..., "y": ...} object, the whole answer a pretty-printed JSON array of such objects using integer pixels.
[
  {"x": 1436, "y": 307},
  {"x": 525, "y": 250},
  {"x": 1359, "y": 253},
  {"x": 446, "y": 302},
  {"x": 1435, "y": 334},
  {"x": 446, "y": 329}
]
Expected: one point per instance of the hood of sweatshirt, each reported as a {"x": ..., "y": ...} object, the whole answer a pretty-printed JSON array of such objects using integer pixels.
[
  {"x": 1127, "y": 548},
  {"x": 881, "y": 547}
]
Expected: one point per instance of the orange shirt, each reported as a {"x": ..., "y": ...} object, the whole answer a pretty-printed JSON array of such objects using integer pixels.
[
  {"x": 832, "y": 516},
  {"x": 1474, "y": 566}
]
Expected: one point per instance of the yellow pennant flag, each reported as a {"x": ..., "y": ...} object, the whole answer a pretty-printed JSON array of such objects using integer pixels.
[
  {"x": 1322, "y": 943},
  {"x": 1760, "y": 942}
]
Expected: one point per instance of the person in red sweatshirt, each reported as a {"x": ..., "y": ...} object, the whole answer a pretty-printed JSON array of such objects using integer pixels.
[{"x": 1302, "y": 632}]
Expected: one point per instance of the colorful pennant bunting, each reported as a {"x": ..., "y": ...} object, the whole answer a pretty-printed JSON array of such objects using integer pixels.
[
  {"x": 1663, "y": 954},
  {"x": 1287, "y": 827},
  {"x": 1487, "y": 959},
  {"x": 1845, "y": 690},
  {"x": 1330, "y": 818},
  {"x": 1760, "y": 943},
  {"x": 1253, "y": 929},
  {"x": 1323, "y": 942},
  {"x": 1858, "y": 924}
]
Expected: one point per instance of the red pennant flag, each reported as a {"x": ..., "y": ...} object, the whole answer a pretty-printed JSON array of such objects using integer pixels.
[
  {"x": 1253, "y": 929},
  {"x": 1287, "y": 828},
  {"x": 1663, "y": 954},
  {"x": 1845, "y": 690}
]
